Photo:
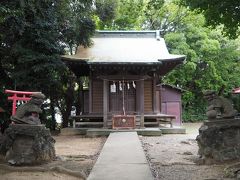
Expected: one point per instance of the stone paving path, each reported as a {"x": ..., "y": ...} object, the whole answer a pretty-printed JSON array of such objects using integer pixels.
[{"x": 122, "y": 158}]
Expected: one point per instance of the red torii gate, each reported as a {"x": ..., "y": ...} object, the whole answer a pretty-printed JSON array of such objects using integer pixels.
[{"x": 18, "y": 96}]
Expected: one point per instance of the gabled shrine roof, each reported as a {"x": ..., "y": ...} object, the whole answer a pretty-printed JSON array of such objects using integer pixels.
[
  {"x": 162, "y": 85},
  {"x": 136, "y": 51},
  {"x": 124, "y": 47}
]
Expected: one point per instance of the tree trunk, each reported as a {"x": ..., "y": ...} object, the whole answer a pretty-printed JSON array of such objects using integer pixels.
[
  {"x": 79, "y": 103},
  {"x": 53, "y": 120},
  {"x": 69, "y": 98},
  {"x": 4, "y": 77}
]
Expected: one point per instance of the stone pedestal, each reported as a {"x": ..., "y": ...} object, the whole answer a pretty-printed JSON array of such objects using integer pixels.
[
  {"x": 27, "y": 144},
  {"x": 219, "y": 141}
]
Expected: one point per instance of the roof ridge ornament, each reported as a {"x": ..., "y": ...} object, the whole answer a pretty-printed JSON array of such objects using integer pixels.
[{"x": 158, "y": 37}]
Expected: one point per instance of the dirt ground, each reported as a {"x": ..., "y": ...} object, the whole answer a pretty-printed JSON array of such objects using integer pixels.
[
  {"x": 76, "y": 156},
  {"x": 173, "y": 157}
]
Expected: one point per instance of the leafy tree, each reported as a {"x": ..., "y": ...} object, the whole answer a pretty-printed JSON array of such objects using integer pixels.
[
  {"x": 106, "y": 11},
  {"x": 219, "y": 12},
  {"x": 30, "y": 43},
  {"x": 76, "y": 23},
  {"x": 123, "y": 14},
  {"x": 30, "y": 49},
  {"x": 33, "y": 35},
  {"x": 154, "y": 13},
  {"x": 212, "y": 63},
  {"x": 129, "y": 15},
  {"x": 212, "y": 59},
  {"x": 77, "y": 26}
]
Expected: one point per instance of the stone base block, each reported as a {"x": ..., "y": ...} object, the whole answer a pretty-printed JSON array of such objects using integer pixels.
[
  {"x": 219, "y": 141},
  {"x": 27, "y": 144}
]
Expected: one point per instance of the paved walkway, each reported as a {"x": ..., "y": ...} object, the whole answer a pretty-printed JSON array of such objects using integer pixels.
[{"x": 122, "y": 158}]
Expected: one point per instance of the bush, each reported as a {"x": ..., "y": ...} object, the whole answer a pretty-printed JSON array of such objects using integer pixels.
[{"x": 194, "y": 115}]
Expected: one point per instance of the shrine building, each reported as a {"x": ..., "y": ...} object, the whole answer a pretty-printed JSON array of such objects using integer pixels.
[{"x": 124, "y": 70}]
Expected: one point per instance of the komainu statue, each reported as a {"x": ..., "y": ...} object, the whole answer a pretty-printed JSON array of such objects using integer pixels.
[
  {"x": 218, "y": 106},
  {"x": 27, "y": 141},
  {"x": 28, "y": 113},
  {"x": 218, "y": 139}
]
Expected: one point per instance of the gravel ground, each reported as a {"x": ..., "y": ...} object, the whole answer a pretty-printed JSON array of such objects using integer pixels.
[{"x": 173, "y": 157}]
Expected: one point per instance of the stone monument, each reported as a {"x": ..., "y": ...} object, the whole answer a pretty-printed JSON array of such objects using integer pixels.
[
  {"x": 219, "y": 136},
  {"x": 27, "y": 141}
]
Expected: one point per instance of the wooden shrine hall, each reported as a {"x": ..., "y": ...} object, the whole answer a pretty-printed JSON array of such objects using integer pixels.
[{"x": 124, "y": 69}]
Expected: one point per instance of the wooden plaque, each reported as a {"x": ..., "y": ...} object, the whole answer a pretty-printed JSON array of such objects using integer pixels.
[{"x": 123, "y": 122}]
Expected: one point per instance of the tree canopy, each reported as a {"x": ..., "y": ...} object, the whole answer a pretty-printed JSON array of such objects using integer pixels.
[
  {"x": 33, "y": 36},
  {"x": 226, "y": 12}
]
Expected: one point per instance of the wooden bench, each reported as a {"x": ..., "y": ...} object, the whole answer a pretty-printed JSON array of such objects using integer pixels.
[
  {"x": 97, "y": 119},
  {"x": 87, "y": 119}
]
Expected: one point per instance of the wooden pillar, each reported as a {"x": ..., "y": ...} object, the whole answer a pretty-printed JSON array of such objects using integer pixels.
[
  {"x": 140, "y": 101},
  {"x": 80, "y": 97},
  {"x": 158, "y": 106},
  {"x": 105, "y": 102},
  {"x": 155, "y": 110},
  {"x": 90, "y": 93}
]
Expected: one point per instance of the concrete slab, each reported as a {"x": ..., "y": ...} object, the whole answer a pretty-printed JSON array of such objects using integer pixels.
[
  {"x": 120, "y": 172},
  {"x": 106, "y": 132},
  {"x": 125, "y": 145},
  {"x": 92, "y": 132},
  {"x": 173, "y": 130},
  {"x": 122, "y": 158},
  {"x": 149, "y": 132}
]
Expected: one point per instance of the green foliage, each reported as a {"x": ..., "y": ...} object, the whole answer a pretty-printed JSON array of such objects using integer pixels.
[
  {"x": 129, "y": 15},
  {"x": 123, "y": 14},
  {"x": 106, "y": 11},
  {"x": 164, "y": 16},
  {"x": 219, "y": 12},
  {"x": 193, "y": 115},
  {"x": 76, "y": 23},
  {"x": 212, "y": 60},
  {"x": 6, "y": 106},
  {"x": 29, "y": 45},
  {"x": 33, "y": 36},
  {"x": 212, "y": 63},
  {"x": 31, "y": 52}
]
